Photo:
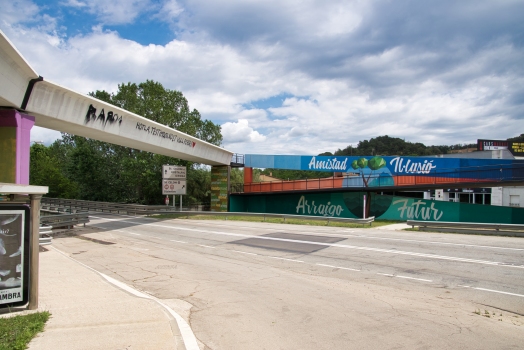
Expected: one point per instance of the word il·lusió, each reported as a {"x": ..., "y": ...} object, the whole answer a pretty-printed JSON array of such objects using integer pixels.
[{"x": 412, "y": 167}]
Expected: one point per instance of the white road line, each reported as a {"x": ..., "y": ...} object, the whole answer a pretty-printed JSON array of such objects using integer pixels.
[
  {"x": 178, "y": 241},
  {"x": 433, "y": 242},
  {"x": 385, "y": 274},
  {"x": 337, "y": 267},
  {"x": 188, "y": 336},
  {"x": 493, "y": 291},
  {"x": 379, "y": 250},
  {"x": 205, "y": 246},
  {"x": 413, "y": 278},
  {"x": 276, "y": 257},
  {"x": 238, "y": 251}
]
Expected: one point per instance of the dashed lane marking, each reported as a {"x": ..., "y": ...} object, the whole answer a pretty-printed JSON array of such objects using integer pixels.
[
  {"x": 279, "y": 258},
  {"x": 337, "y": 267},
  {"x": 238, "y": 251},
  {"x": 493, "y": 291},
  {"x": 413, "y": 278}
]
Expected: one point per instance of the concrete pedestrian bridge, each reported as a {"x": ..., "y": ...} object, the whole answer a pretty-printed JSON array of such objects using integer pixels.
[{"x": 27, "y": 98}]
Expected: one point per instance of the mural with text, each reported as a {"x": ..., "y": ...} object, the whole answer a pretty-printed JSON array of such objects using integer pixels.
[
  {"x": 350, "y": 205},
  {"x": 377, "y": 171}
]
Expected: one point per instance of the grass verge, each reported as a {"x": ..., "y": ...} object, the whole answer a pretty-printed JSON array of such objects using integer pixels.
[
  {"x": 375, "y": 223},
  {"x": 16, "y": 332}
]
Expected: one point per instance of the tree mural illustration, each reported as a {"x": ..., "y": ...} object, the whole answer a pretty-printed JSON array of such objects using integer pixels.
[{"x": 374, "y": 163}]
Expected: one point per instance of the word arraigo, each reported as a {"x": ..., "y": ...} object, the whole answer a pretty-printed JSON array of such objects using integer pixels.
[
  {"x": 322, "y": 209},
  {"x": 418, "y": 210}
]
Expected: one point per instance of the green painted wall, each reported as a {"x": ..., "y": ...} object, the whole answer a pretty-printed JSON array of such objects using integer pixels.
[
  {"x": 8, "y": 155},
  {"x": 349, "y": 205}
]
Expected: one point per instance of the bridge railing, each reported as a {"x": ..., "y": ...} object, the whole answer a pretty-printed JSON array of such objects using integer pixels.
[
  {"x": 60, "y": 205},
  {"x": 444, "y": 177},
  {"x": 115, "y": 208}
]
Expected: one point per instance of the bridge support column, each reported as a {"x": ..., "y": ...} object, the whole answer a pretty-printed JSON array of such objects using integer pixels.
[
  {"x": 248, "y": 175},
  {"x": 220, "y": 187},
  {"x": 15, "y": 143}
]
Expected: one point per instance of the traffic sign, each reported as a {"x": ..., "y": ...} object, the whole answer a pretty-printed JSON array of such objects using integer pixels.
[
  {"x": 173, "y": 187},
  {"x": 173, "y": 172}
]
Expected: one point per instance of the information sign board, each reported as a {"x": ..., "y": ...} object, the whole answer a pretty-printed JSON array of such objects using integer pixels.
[
  {"x": 173, "y": 187},
  {"x": 173, "y": 172},
  {"x": 14, "y": 255},
  {"x": 516, "y": 148}
]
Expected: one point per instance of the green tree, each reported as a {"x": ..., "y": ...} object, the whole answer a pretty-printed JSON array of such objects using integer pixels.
[{"x": 45, "y": 170}]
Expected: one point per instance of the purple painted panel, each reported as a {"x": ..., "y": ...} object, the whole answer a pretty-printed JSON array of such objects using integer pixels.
[{"x": 23, "y": 124}]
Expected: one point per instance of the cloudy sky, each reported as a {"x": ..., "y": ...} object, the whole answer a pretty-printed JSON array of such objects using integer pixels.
[{"x": 294, "y": 77}]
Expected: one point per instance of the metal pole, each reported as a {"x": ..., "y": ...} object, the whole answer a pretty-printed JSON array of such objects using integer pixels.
[
  {"x": 34, "y": 247},
  {"x": 180, "y": 202},
  {"x": 364, "y": 208}
]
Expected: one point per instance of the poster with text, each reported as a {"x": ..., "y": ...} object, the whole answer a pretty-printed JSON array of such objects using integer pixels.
[{"x": 14, "y": 255}]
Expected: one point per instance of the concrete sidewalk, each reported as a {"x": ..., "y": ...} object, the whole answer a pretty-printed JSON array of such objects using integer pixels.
[{"x": 87, "y": 312}]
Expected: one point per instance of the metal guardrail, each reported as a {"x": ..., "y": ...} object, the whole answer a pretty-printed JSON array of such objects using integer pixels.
[
  {"x": 45, "y": 235},
  {"x": 137, "y": 209},
  {"x": 65, "y": 219},
  {"x": 53, "y": 224},
  {"x": 75, "y": 205},
  {"x": 479, "y": 228},
  {"x": 328, "y": 219}
]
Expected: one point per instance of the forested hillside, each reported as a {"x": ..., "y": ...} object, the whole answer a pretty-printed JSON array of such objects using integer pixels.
[{"x": 389, "y": 146}]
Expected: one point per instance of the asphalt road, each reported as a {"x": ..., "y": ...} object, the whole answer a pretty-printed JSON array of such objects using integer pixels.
[{"x": 247, "y": 285}]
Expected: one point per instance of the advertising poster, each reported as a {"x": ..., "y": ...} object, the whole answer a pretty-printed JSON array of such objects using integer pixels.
[{"x": 14, "y": 255}]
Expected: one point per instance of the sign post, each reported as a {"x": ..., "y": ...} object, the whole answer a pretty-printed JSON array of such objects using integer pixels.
[{"x": 174, "y": 181}]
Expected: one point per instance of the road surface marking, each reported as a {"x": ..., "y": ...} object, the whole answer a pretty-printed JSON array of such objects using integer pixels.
[
  {"x": 493, "y": 291},
  {"x": 276, "y": 257},
  {"x": 178, "y": 241},
  {"x": 238, "y": 251},
  {"x": 413, "y": 278},
  {"x": 338, "y": 267},
  {"x": 344, "y": 246},
  {"x": 188, "y": 336}
]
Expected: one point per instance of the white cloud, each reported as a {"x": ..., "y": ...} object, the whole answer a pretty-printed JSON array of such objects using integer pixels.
[
  {"x": 46, "y": 136},
  {"x": 114, "y": 11},
  {"x": 17, "y": 11},
  {"x": 363, "y": 73},
  {"x": 240, "y": 132}
]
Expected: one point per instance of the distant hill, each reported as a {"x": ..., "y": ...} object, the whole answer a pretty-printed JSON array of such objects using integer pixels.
[{"x": 392, "y": 146}]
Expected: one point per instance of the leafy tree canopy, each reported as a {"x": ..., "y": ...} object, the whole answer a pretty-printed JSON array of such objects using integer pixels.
[{"x": 390, "y": 146}]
